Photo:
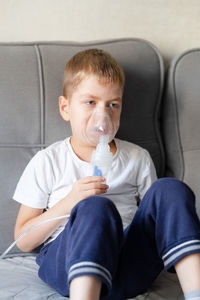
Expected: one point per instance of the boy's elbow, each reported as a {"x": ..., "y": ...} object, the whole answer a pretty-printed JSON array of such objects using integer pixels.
[
  {"x": 23, "y": 247},
  {"x": 22, "y": 244}
]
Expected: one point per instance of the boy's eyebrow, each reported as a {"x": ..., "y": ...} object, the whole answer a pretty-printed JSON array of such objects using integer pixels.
[
  {"x": 96, "y": 97},
  {"x": 89, "y": 95}
]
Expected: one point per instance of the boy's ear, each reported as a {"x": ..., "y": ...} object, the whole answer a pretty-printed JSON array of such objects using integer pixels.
[{"x": 64, "y": 107}]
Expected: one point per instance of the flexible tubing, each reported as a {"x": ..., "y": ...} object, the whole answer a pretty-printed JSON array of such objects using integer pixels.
[{"x": 28, "y": 230}]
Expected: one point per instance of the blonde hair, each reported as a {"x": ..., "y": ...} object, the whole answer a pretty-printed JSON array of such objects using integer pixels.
[{"x": 91, "y": 62}]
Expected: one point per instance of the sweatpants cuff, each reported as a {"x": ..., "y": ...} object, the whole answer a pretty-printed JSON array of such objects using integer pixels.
[
  {"x": 179, "y": 251},
  {"x": 91, "y": 268}
]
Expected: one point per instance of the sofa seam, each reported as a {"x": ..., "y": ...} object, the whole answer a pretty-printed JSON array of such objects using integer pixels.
[
  {"x": 82, "y": 43},
  {"x": 157, "y": 110},
  {"x": 42, "y": 94},
  {"x": 177, "y": 119}
]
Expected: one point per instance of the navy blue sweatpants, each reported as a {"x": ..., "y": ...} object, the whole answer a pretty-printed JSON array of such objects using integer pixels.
[{"x": 164, "y": 230}]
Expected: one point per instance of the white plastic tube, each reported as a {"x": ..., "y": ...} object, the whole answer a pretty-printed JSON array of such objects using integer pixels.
[{"x": 28, "y": 230}]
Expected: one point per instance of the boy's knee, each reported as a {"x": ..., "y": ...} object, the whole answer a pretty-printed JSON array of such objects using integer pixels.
[
  {"x": 173, "y": 188},
  {"x": 98, "y": 212},
  {"x": 171, "y": 184},
  {"x": 163, "y": 182},
  {"x": 97, "y": 206}
]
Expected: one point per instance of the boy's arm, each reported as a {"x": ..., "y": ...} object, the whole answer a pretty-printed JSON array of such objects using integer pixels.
[{"x": 27, "y": 216}]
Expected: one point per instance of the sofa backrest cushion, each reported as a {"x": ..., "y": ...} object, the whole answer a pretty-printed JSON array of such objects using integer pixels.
[
  {"x": 181, "y": 120},
  {"x": 30, "y": 83}
]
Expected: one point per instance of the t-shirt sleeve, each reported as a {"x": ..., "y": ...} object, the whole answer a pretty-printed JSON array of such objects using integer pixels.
[
  {"x": 147, "y": 174},
  {"x": 35, "y": 184}
]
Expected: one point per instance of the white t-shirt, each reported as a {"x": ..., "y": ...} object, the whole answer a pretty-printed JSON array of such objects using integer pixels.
[{"x": 51, "y": 173}]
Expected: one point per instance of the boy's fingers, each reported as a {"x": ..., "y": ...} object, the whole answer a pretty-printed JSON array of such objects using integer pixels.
[
  {"x": 93, "y": 186},
  {"x": 90, "y": 179},
  {"x": 94, "y": 192}
]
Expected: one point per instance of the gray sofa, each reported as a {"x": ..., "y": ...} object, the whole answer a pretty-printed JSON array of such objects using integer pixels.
[{"x": 160, "y": 115}]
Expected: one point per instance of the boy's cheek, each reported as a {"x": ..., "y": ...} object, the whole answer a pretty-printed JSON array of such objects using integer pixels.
[{"x": 117, "y": 124}]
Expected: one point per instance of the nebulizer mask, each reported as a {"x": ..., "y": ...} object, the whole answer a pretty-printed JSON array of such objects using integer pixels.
[{"x": 99, "y": 124}]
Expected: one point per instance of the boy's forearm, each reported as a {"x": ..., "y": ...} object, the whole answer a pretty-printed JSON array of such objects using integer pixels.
[{"x": 38, "y": 235}]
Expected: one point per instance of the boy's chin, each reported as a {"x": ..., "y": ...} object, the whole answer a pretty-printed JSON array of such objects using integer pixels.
[
  {"x": 95, "y": 140},
  {"x": 92, "y": 143}
]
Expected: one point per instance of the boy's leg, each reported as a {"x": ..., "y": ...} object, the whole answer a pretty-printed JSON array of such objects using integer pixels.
[
  {"x": 188, "y": 271},
  {"x": 85, "y": 288},
  {"x": 88, "y": 246},
  {"x": 165, "y": 229}
]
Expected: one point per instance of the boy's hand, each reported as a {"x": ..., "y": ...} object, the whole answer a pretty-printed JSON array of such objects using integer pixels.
[{"x": 86, "y": 187}]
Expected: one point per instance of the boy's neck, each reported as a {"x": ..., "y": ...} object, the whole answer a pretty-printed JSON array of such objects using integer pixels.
[{"x": 84, "y": 151}]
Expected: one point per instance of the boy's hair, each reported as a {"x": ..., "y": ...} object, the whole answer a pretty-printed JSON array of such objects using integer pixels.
[{"x": 91, "y": 62}]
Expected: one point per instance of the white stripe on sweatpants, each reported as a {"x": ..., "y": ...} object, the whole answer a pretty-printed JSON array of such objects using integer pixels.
[
  {"x": 89, "y": 267},
  {"x": 179, "y": 253},
  {"x": 179, "y": 246},
  {"x": 86, "y": 270},
  {"x": 90, "y": 263}
]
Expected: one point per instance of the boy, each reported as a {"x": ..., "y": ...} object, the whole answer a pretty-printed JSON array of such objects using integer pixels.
[{"x": 90, "y": 255}]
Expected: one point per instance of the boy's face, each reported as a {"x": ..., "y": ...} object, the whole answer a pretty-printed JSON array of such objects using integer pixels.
[{"x": 93, "y": 109}]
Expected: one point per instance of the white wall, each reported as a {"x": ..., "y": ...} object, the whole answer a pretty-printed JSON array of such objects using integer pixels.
[{"x": 172, "y": 25}]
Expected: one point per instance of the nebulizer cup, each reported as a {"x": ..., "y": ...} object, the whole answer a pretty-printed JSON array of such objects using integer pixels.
[
  {"x": 101, "y": 133},
  {"x": 102, "y": 157}
]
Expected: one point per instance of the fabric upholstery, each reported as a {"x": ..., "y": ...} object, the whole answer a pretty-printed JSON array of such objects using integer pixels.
[
  {"x": 30, "y": 84},
  {"x": 181, "y": 115}
]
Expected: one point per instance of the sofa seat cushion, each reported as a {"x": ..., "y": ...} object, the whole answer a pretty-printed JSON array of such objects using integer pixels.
[{"x": 19, "y": 280}]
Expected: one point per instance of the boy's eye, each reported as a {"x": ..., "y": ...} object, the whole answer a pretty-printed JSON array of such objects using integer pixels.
[
  {"x": 90, "y": 102},
  {"x": 115, "y": 105}
]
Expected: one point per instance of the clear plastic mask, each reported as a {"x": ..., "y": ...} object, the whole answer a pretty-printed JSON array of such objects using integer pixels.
[{"x": 100, "y": 124}]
